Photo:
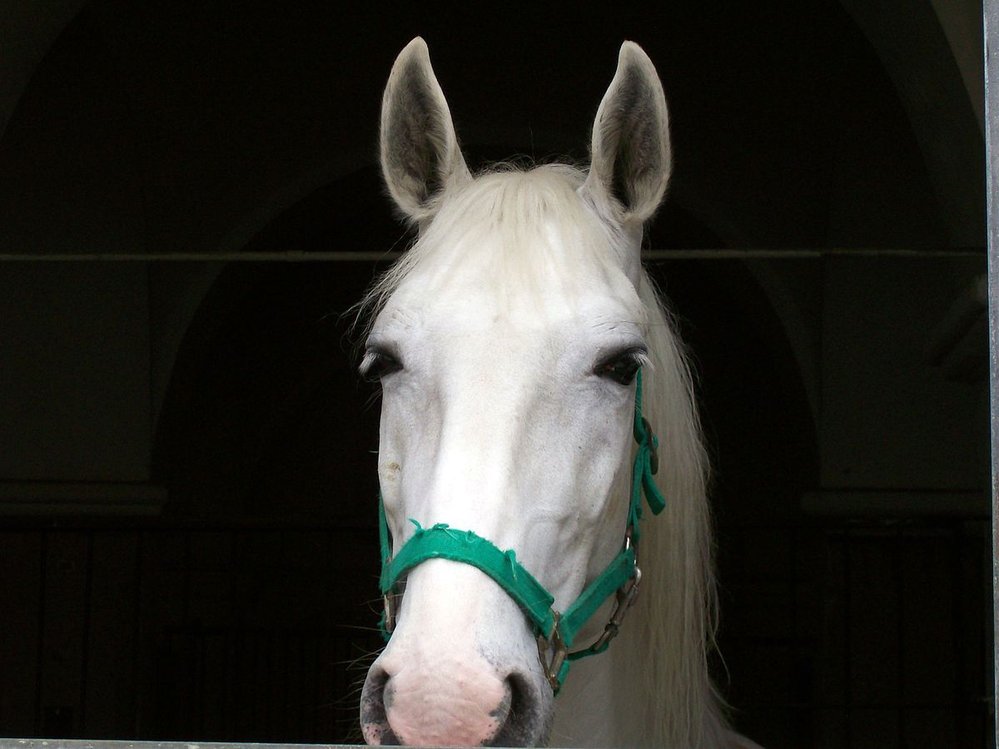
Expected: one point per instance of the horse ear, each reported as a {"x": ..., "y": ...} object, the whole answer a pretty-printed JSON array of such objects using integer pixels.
[
  {"x": 631, "y": 157},
  {"x": 420, "y": 155}
]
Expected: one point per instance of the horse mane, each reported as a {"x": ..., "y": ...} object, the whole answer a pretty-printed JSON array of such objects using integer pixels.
[
  {"x": 676, "y": 613},
  {"x": 679, "y": 597}
]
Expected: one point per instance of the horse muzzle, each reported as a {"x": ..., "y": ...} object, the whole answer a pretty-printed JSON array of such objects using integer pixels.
[{"x": 440, "y": 683}]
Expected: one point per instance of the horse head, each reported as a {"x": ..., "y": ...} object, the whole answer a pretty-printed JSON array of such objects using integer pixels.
[{"x": 508, "y": 341}]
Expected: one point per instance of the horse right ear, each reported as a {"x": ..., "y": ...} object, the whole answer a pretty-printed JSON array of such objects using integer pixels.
[
  {"x": 420, "y": 155},
  {"x": 631, "y": 156}
]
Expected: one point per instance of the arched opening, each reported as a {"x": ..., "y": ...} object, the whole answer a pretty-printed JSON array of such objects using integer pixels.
[{"x": 265, "y": 421}]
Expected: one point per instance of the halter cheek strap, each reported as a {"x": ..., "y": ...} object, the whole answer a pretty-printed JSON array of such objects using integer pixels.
[{"x": 556, "y": 632}]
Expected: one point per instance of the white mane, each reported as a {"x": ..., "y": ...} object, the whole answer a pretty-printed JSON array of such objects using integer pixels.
[
  {"x": 671, "y": 702},
  {"x": 679, "y": 597}
]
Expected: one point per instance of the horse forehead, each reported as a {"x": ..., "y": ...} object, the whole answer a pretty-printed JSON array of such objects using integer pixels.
[
  {"x": 480, "y": 297},
  {"x": 500, "y": 325}
]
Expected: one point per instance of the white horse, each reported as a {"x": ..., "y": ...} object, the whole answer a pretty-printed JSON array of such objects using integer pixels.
[{"x": 507, "y": 341}]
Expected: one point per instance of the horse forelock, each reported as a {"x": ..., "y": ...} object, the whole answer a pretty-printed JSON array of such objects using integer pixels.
[{"x": 519, "y": 227}]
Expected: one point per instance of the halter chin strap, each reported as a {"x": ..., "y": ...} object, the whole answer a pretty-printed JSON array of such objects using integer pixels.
[{"x": 556, "y": 632}]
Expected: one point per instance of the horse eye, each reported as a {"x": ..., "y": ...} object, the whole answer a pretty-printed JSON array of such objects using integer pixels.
[
  {"x": 621, "y": 368},
  {"x": 378, "y": 364}
]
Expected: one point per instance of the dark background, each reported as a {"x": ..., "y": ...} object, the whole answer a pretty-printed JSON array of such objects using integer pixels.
[{"x": 187, "y": 537}]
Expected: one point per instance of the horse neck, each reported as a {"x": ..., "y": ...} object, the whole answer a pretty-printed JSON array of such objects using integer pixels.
[{"x": 662, "y": 672}]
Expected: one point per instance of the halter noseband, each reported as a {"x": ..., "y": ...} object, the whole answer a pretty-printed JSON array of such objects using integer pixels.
[{"x": 555, "y": 631}]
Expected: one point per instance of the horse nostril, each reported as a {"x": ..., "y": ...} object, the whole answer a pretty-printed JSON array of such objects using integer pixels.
[
  {"x": 522, "y": 713},
  {"x": 376, "y": 697}
]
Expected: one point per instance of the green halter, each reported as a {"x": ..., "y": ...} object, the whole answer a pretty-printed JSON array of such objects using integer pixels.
[{"x": 556, "y": 632}]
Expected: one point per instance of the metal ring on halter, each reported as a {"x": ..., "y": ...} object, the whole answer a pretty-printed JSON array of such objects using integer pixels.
[{"x": 388, "y": 615}]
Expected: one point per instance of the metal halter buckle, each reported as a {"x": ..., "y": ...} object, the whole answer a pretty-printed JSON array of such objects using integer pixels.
[
  {"x": 626, "y": 596},
  {"x": 558, "y": 652},
  {"x": 552, "y": 651}
]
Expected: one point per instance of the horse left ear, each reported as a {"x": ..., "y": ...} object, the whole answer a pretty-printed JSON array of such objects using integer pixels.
[
  {"x": 420, "y": 155},
  {"x": 631, "y": 157}
]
